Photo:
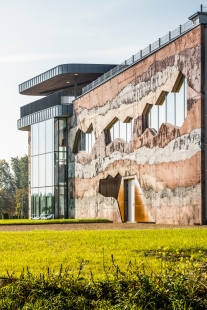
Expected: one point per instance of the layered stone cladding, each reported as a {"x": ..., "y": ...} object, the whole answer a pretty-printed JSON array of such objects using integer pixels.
[{"x": 167, "y": 165}]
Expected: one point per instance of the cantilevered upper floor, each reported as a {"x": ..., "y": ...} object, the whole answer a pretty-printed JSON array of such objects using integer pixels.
[{"x": 63, "y": 77}]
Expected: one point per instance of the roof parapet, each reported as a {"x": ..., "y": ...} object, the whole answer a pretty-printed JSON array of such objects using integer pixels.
[{"x": 194, "y": 21}]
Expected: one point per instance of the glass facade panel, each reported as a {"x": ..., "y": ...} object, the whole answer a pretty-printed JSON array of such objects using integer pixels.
[
  {"x": 128, "y": 131},
  {"x": 116, "y": 130},
  {"x": 41, "y": 138},
  {"x": 154, "y": 117},
  {"x": 123, "y": 130},
  {"x": 62, "y": 134},
  {"x": 56, "y": 134},
  {"x": 42, "y": 200},
  {"x": 62, "y": 169},
  {"x": 170, "y": 99},
  {"x": 34, "y": 137},
  {"x": 49, "y": 169},
  {"x": 89, "y": 141},
  {"x": 41, "y": 174},
  {"x": 49, "y": 200},
  {"x": 56, "y": 167},
  {"x": 81, "y": 144},
  {"x": 36, "y": 203},
  {"x": 56, "y": 202},
  {"x": 180, "y": 105},
  {"x": 49, "y": 135},
  {"x": 62, "y": 201},
  {"x": 46, "y": 199},
  {"x": 34, "y": 171},
  {"x": 162, "y": 114}
]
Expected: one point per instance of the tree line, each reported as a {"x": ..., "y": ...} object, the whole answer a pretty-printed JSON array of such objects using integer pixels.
[{"x": 14, "y": 187}]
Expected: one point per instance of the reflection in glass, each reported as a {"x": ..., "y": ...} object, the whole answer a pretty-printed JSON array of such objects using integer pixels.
[
  {"x": 41, "y": 138},
  {"x": 49, "y": 200},
  {"x": 49, "y": 169},
  {"x": 56, "y": 202},
  {"x": 41, "y": 170},
  {"x": 62, "y": 201},
  {"x": 62, "y": 168},
  {"x": 81, "y": 143},
  {"x": 49, "y": 135},
  {"x": 36, "y": 204},
  {"x": 62, "y": 134},
  {"x": 42, "y": 200},
  {"x": 34, "y": 137}
]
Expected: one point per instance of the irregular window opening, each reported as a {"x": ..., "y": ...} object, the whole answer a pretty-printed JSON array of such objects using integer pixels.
[
  {"x": 85, "y": 141},
  {"x": 121, "y": 130},
  {"x": 110, "y": 186},
  {"x": 172, "y": 109}
]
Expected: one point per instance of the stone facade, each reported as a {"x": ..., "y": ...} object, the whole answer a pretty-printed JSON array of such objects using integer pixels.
[{"x": 167, "y": 165}]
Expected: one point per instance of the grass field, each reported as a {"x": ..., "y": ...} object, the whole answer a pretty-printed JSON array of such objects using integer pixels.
[
  {"x": 40, "y": 249},
  {"x": 54, "y": 221}
]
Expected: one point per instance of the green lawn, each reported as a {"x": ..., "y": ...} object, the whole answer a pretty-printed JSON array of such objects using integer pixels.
[
  {"x": 40, "y": 249},
  {"x": 55, "y": 221}
]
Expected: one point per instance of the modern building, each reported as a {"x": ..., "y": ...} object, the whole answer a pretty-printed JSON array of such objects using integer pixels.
[{"x": 125, "y": 142}]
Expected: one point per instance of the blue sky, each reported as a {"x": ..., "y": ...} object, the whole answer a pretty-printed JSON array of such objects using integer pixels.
[{"x": 37, "y": 35}]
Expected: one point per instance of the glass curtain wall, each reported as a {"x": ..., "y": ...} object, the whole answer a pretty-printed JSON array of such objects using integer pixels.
[
  {"x": 172, "y": 111},
  {"x": 49, "y": 168},
  {"x": 60, "y": 168},
  {"x": 42, "y": 158}
]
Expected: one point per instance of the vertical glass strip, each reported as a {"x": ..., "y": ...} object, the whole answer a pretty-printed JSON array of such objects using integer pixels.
[{"x": 171, "y": 108}]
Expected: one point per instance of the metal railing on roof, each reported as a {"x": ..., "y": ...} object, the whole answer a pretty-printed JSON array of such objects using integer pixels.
[
  {"x": 203, "y": 8},
  {"x": 172, "y": 35}
]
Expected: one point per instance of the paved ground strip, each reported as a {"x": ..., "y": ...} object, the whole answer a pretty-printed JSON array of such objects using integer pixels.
[{"x": 93, "y": 226}]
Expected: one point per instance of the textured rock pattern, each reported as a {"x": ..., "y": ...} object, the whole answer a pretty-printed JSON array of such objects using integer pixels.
[{"x": 166, "y": 165}]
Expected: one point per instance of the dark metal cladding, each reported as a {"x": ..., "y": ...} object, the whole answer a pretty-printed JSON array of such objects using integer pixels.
[{"x": 43, "y": 103}]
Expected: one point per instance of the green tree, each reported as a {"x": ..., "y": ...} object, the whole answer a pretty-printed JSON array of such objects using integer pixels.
[
  {"x": 20, "y": 171},
  {"x": 7, "y": 189},
  {"x": 21, "y": 199}
]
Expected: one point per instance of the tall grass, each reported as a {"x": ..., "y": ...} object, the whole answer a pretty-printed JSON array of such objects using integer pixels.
[{"x": 180, "y": 283}]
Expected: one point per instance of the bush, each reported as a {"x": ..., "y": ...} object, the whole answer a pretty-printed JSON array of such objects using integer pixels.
[{"x": 180, "y": 284}]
